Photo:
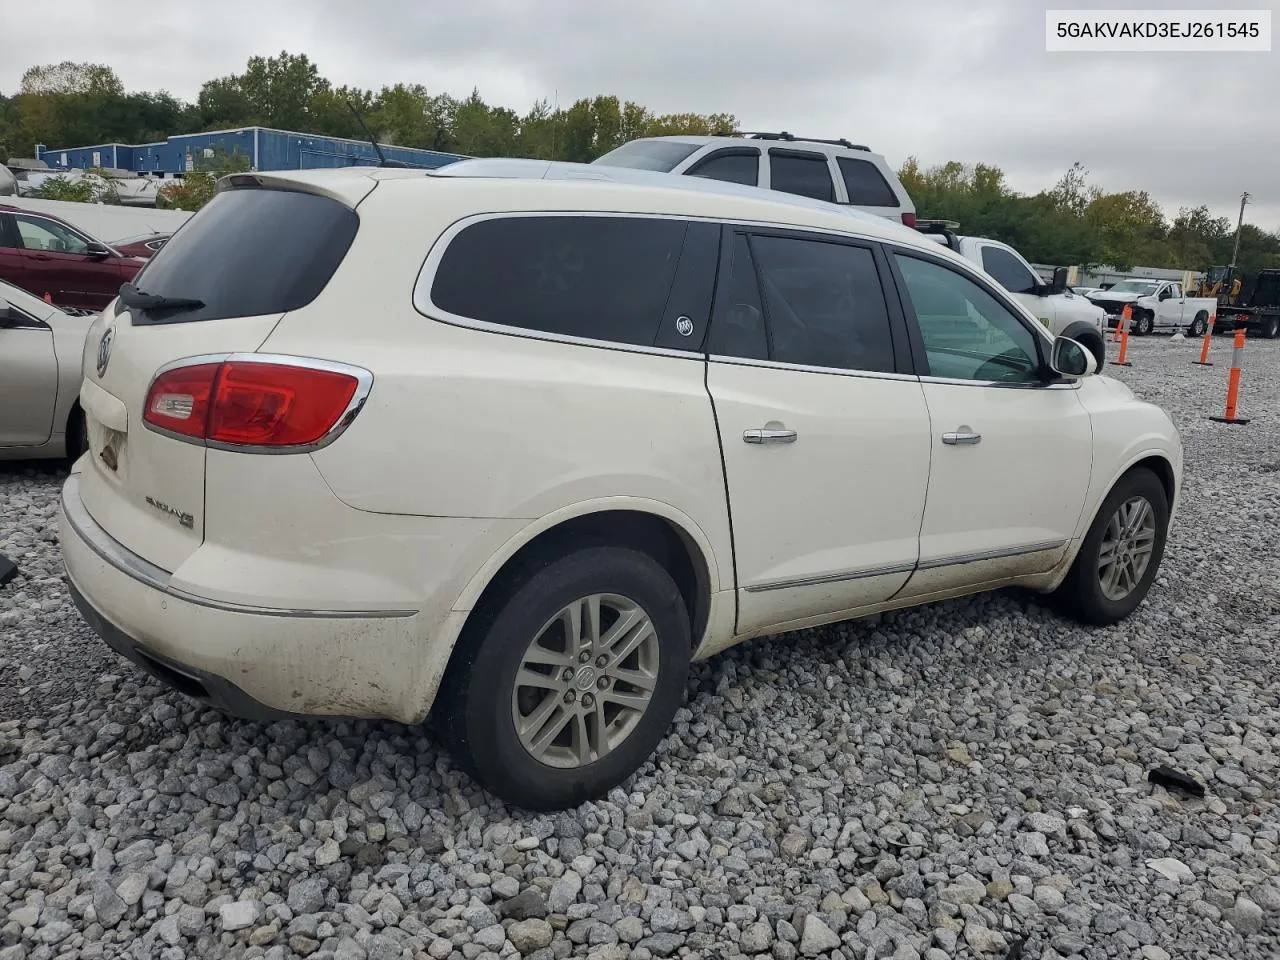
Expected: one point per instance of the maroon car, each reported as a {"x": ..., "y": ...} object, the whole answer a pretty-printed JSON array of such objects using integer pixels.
[
  {"x": 142, "y": 246},
  {"x": 48, "y": 256}
]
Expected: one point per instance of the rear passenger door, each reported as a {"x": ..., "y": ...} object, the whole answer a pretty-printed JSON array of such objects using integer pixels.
[{"x": 823, "y": 429}]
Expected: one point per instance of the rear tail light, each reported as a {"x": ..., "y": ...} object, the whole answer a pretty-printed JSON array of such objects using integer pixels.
[
  {"x": 909, "y": 219},
  {"x": 249, "y": 401}
]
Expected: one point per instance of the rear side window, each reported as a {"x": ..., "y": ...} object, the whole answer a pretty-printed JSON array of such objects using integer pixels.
[
  {"x": 249, "y": 253},
  {"x": 732, "y": 167},
  {"x": 824, "y": 304},
  {"x": 806, "y": 174},
  {"x": 603, "y": 278},
  {"x": 865, "y": 183}
]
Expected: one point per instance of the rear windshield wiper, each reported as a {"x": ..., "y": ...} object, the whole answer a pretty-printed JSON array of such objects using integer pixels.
[{"x": 131, "y": 296}]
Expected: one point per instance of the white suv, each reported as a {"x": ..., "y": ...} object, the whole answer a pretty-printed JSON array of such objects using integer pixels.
[
  {"x": 520, "y": 445},
  {"x": 835, "y": 171}
]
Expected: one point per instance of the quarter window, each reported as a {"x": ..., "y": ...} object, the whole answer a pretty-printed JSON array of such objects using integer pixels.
[
  {"x": 806, "y": 174},
  {"x": 865, "y": 184},
  {"x": 602, "y": 278},
  {"x": 968, "y": 334},
  {"x": 1008, "y": 271}
]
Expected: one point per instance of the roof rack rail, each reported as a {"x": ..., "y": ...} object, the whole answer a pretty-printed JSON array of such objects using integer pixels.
[{"x": 842, "y": 142}]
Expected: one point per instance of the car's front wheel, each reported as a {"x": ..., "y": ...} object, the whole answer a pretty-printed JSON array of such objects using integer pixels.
[
  {"x": 570, "y": 679},
  {"x": 1121, "y": 553},
  {"x": 1144, "y": 323}
]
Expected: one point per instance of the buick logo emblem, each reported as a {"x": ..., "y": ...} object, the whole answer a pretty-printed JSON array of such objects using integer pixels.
[
  {"x": 684, "y": 326},
  {"x": 104, "y": 350}
]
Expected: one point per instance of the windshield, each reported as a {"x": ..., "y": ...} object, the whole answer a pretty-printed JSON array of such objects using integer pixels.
[
  {"x": 1143, "y": 288},
  {"x": 659, "y": 155}
]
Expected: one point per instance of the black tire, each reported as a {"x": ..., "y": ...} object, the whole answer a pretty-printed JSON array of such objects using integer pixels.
[
  {"x": 1199, "y": 325},
  {"x": 474, "y": 711},
  {"x": 1271, "y": 327},
  {"x": 77, "y": 440},
  {"x": 1080, "y": 595},
  {"x": 1143, "y": 323}
]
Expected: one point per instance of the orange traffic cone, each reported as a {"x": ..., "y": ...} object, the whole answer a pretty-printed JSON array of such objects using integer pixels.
[
  {"x": 1123, "y": 327},
  {"x": 1204, "y": 360},
  {"x": 1233, "y": 381}
]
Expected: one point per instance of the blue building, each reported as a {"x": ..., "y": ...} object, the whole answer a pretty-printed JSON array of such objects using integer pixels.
[{"x": 265, "y": 148}]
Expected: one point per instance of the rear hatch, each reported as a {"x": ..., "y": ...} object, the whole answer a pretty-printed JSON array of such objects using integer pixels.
[{"x": 262, "y": 247}]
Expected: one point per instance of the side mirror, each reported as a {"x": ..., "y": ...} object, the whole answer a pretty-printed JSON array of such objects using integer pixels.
[
  {"x": 1059, "y": 284},
  {"x": 96, "y": 249},
  {"x": 1069, "y": 358}
]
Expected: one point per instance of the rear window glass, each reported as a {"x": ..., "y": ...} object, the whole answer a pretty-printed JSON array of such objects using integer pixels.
[
  {"x": 249, "y": 253},
  {"x": 603, "y": 278},
  {"x": 866, "y": 185},
  {"x": 659, "y": 155}
]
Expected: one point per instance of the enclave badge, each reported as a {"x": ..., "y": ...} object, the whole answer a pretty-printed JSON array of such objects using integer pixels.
[{"x": 104, "y": 350}]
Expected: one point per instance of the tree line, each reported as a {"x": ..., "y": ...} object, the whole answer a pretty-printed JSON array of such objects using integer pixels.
[{"x": 1072, "y": 222}]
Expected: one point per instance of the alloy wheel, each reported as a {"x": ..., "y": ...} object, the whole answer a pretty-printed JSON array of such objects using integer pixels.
[
  {"x": 1127, "y": 546},
  {"x": 585, "y": 680}
]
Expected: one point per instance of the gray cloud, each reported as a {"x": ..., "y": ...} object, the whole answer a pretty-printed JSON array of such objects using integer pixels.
[{"x": 937, "y": 80}]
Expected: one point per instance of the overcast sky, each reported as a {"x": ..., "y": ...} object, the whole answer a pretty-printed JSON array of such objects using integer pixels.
[{"x": 938, "y": 79}]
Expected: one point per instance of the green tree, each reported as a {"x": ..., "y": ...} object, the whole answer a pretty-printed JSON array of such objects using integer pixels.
[{"x": 198, "y": 186}]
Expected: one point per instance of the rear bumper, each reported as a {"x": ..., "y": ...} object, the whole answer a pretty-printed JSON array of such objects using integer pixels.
[{"x": 256, "y": 663}]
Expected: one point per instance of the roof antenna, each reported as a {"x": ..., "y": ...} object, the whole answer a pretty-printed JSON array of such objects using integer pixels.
[{"x": 382, "y": 157}]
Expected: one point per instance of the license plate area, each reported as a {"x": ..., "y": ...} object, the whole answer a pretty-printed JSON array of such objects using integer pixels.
[{"x": 108, "y": 448}]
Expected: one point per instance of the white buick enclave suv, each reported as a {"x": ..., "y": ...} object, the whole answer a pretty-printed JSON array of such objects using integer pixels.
[{"x": 512, "y": 443}]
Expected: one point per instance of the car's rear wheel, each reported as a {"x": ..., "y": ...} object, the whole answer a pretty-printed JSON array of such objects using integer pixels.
[
  {"x": 569, "y": 680},
  {"x": 1121, "y": 553},
  {"x": 1199, "y": 325}
]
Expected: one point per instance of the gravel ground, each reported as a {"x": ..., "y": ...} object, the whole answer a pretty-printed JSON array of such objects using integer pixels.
[{"x": 950, "y": 781}]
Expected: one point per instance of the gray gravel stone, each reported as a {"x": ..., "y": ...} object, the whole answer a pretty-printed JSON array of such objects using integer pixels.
[
  {"x": 816, "y": 937},
  {"x": 1246, "y": 916},
  {"x": 530, "y": 935}
]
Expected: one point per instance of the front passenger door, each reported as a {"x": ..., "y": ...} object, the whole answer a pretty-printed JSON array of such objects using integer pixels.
[
  {"x": 28, "y": 378},
  {"x": 823, "y": 429},
  {"x": 1012, "y": 453}
]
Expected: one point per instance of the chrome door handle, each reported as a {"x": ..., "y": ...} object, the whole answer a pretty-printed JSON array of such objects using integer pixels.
[
  {"x": 769, "y": 436},
  {"x": 964, "y": 436}
]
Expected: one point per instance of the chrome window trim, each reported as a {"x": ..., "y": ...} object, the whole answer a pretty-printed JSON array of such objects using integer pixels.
[
  {"x": 364, "y": 385},
  {"x": 425, "y": 306},
  {"x": 806, "y": 368},
  {"x": 124, "y": 560}
]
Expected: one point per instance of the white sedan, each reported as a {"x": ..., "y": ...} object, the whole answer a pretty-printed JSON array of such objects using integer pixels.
[{"x": 40, "y": 355}]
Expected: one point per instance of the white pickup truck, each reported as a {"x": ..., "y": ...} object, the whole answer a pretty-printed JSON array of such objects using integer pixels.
[
  {"x": 1156, "y": 305},
  {"x": 1053, "y": 304}
]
